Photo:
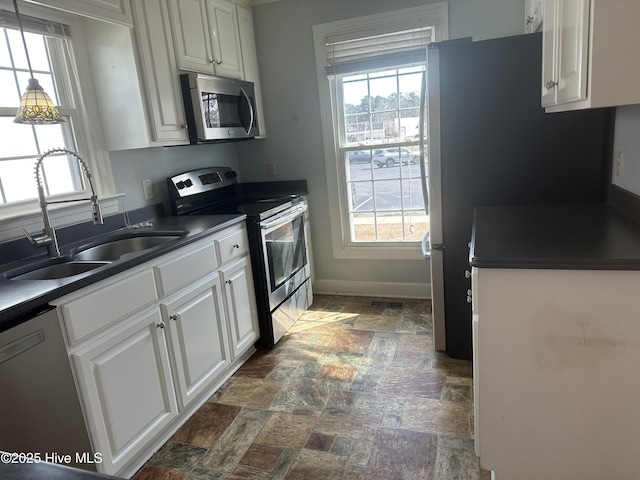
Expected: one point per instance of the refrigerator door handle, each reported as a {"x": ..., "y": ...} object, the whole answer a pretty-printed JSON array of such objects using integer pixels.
[{"x": 426, "y": 248}]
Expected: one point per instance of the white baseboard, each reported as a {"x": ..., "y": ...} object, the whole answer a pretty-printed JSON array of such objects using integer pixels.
[{"x": 372, "y": 289}]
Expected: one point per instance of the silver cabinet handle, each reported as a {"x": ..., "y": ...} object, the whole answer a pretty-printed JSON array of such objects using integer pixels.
[
  {"x": 469, "y": 298},
  {"x": 228, "y": 282},
  {"x": 173, "y": 317},
  {"x": 235, "y": 245},
  {"x": 550, "y": 84},
  {"x": 529, "y": 20},
  {"x": 467, "y": 274},
  {"x": 216, "y": 62},
  {"x": 160, "y": 325}
]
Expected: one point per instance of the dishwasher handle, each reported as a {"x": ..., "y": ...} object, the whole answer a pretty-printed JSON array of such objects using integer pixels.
[{"x": 21, "y": 345}]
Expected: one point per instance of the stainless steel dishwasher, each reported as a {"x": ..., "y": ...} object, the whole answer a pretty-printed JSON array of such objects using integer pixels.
[{"x": 40, "y": 408}]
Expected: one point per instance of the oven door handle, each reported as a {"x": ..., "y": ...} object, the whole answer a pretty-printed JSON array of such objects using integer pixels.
[{"x": 281, "y": 220}]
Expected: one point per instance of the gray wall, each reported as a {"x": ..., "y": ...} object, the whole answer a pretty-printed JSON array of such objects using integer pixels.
[
  {"x": 130, "y": 167},
  {"x": 291, "y": 106}
]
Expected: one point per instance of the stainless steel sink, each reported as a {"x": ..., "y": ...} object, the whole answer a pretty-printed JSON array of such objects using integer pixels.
[
  {"x": 97, "y": 253},
  {"x": 55, "y": 271},
  {"x": 112, "y": 249}
]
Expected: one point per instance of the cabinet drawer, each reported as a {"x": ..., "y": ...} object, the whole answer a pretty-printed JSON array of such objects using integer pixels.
[
  {"x": 232, "y": 246},
  {"x": 182, "y": 270},
  {"x": 105, "y": 306}
]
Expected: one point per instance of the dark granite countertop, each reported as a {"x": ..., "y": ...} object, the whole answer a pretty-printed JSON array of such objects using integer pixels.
[
  {"x": 582, "y": 236},
  {"x": 48, "y": 471},
  {"x": 22, "y": 299}
]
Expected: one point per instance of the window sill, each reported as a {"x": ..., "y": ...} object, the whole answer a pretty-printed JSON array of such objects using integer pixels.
[
  {"x": 61, "y": 215},
  {"x": 412, "y": 251}
]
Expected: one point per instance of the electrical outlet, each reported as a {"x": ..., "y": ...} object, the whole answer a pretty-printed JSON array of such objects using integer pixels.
[
  {"x": 147, "y": 189},
  {"x": 271, "y": 169},
  {"x": 619, "y": 161}
]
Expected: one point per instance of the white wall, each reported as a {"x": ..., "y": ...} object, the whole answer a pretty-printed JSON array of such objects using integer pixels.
[
  {"x": 291, "y": 106},
  {"x": 627, "y": 141}
]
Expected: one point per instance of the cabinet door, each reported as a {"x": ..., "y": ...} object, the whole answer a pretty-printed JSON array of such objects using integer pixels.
[
  {"x": 191, "y": 35},
  {"x": 197, "y": 334},
  {"x": 225, "y": 38},
  {"x": 549, "y": 49},
  {"x": 573, "y": 44},
  {"x": 166, "y": 118},
  {"x": 125, "y": 386},
  {"x": 533, "y": 15},
  {"x": 241, "y": 306}
]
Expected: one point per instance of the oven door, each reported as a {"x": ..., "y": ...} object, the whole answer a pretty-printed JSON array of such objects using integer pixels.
[{"x": 285, "y": 253}]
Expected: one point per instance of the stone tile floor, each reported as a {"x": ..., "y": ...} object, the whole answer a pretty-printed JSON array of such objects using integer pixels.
[{"x": 352, "y": 392}]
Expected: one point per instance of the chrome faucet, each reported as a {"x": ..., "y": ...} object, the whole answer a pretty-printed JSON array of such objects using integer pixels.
[{"x": 48, "y": 236}]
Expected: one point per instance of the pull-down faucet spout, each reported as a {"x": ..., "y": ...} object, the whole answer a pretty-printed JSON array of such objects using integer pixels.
[{"x": 48, "y": 236}]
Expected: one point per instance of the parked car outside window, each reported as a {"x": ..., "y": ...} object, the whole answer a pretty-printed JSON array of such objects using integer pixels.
[
  {"x": 360, "y": 156},
  {"x": 389, "y": 157}
]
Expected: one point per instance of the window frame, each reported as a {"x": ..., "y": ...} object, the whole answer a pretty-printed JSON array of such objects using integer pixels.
[
  {"x": 435, "y": 15},
  {"x": 89, "y": 141}
]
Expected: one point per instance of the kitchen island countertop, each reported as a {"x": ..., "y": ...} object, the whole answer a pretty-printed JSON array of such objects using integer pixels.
[{"x": 594, "y": 236}]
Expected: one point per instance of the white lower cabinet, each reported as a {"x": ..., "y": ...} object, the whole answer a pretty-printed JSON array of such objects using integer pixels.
[
  {"x": 241, "y": 305},
  {"x": 165, "y": 336},
  {"x": 196, "y": 338},
  {"x": 126, "y": 389}
]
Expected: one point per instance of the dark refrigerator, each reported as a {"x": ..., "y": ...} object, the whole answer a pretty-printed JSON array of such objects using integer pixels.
[{"x": 489, "y": 142}]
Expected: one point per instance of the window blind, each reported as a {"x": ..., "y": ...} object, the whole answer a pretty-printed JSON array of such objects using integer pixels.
[
  {"x": 367, "y": 52},
  {"x": 34, "y": 25}
]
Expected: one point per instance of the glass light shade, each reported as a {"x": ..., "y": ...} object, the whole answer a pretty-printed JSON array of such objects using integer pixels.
[{"x": 36, "y": 107}]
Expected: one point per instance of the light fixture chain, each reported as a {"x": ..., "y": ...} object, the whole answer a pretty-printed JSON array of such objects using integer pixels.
[{"x": 24, "y": 41}]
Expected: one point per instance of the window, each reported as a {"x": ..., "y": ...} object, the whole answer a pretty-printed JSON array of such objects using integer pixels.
[
  {"x": 378, "y": 109},
  {"x": 22, "y": 144},
  {"x": 50, "y": 44},
  {"x": 370, "y": 73}
]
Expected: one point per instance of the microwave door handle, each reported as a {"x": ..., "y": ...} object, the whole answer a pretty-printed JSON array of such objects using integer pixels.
[{"x": 246, "y": 97}]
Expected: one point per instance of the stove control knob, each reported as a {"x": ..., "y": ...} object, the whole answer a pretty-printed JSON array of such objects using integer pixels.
[
  {"x": 180, "y": 185},
  {"x": 231, "y": 174},
  {"x": 188, "y": 182}
]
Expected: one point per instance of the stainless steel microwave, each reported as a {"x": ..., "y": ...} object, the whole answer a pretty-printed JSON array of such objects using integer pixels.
[{"x": 218, "y": 109}]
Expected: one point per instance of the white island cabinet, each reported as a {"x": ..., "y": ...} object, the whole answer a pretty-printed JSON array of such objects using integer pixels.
[
  {"x": 556, "y": 339},
  {"x": 148, "y": 346}
]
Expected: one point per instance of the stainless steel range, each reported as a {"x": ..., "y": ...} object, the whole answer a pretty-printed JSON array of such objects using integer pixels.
[{"x": 277, "y": 232}]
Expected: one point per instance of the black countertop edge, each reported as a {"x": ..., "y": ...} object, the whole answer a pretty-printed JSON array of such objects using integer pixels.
[
  {"x": 49, "y": 471},
  {"x": 559, "y": 264},
  {"x": 20, "y": 300},
  {"x": 596, "y": 236}
]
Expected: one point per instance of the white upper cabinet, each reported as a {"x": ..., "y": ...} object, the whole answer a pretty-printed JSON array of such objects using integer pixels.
[
  {"x": 207, "y": 39},
  {"x": 134, "y": 71},
  {"x": 533, "y": 16},
  {"x": 250, "y": 60},
  {"x": 590, "y": 55},
  {"x": 115, "y": 11}
]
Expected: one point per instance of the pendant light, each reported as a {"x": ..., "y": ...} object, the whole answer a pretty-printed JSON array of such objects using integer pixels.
[{"x": 36, "y": 107}]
